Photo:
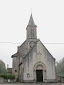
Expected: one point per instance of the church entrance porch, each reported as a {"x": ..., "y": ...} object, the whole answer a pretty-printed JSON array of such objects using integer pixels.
[{"x": 39, "y": 75}]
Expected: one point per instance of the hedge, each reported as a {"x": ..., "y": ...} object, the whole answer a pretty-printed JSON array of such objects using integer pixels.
[
  {"x": 5, "y": 76},
  {"x": 62, "y": 76}
]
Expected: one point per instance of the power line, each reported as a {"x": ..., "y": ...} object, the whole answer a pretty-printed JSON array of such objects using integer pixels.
[
  {"x": 9, "y": 43},
  {"x": 53, "y": 43},
  {"x": 21, "y": 43}
]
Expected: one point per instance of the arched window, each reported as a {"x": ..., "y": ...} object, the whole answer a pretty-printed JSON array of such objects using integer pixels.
[{"x": 32, "y": 33}]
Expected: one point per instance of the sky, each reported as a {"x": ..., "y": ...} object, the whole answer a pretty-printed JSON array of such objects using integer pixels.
[{"x": 48, "y": 15}]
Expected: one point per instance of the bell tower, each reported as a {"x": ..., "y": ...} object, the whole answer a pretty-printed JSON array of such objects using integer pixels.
[{"x": 31, "y": 29}]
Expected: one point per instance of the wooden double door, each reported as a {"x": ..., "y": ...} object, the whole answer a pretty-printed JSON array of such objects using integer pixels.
[{"x": 39, "y": 75}]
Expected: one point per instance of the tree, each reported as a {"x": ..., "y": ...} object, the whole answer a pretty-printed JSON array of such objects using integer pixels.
[
  {"x": 2, "y": 67},
  {"x": 60, "y": 67}
]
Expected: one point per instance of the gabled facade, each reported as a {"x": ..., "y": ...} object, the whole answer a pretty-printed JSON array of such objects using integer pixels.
[{"x": 33, "y": 62}]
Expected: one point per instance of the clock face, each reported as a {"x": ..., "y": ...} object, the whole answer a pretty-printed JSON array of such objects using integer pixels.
[{"x": 31, "y": 44}]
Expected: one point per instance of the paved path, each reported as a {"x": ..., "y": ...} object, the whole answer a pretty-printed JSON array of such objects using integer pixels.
[{"x": 34, "y": 84}]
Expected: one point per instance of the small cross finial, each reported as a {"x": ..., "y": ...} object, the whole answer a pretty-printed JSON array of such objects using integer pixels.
[{"x": 31, "y": 10}]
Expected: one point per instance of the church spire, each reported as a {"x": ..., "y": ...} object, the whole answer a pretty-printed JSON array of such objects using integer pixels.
[
  {"x": 31, "y": 21},
  {"x": 31, "y": 29}
]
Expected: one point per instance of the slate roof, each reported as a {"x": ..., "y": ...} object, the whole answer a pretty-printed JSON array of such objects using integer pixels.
[{"x": 31, "y": 21}]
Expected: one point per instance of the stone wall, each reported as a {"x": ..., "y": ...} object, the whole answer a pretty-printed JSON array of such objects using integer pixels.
[
  {"x": 1, "y": 80},
  {"x": 6, "y": 80},
  {"x": 41, "y": 56}
]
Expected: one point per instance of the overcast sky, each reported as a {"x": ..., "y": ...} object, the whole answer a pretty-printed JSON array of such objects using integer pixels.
[{"x": 48, "y": 15}]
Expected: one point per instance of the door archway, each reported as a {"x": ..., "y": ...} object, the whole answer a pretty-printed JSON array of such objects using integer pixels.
[{"x": 39, "y": 72}]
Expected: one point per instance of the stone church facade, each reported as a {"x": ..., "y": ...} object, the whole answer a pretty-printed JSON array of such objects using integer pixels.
[{"x": 33, "y": 62}]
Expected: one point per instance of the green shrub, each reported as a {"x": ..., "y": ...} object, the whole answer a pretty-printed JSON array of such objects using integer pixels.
[
  {"x": 5, "y": 76},
  {"x": 62, "y": 76}
]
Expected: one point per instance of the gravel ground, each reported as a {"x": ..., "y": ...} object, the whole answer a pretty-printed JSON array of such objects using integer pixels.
[{"x": 33, "y": 84}]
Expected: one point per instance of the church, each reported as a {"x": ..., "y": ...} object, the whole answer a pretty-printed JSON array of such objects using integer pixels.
[{"x": 33, "y": 62}]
